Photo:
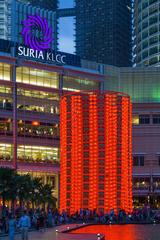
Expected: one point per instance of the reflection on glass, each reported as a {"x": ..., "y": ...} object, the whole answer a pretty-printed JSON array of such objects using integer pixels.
[{"x": 75, "y": 83}]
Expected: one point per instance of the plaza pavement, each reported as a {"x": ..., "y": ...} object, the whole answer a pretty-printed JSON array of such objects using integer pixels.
[{"x": 52, "y": 234}]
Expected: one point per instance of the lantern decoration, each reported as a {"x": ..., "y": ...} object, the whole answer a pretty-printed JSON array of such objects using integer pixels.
[{"x": 96, "y": 152}]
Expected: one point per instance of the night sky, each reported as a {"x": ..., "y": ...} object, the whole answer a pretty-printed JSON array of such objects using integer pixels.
[{"x": 66, "y": 30}]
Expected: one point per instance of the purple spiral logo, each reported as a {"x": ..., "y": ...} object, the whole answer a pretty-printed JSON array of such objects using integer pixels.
[{"x": 36, "y": 33}]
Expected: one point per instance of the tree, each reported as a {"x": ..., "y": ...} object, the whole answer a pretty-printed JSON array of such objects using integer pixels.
[
  {"x": 25, "y": 188},
  {"x": 7, "y": 176},
  {"x": 24, "y": 184},
  {"x": 46, "y": 195}
]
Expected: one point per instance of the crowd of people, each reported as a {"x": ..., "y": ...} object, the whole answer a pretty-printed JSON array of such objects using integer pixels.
[{"x": 39, "y": 219}]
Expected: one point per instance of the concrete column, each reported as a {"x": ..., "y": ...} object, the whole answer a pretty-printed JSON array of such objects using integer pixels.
[{"x": 14, "y": 117}]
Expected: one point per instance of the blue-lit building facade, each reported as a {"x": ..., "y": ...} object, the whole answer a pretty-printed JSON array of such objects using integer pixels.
[
  {"x": 146, "y": 33},
  {"x": 103, "y": 31}
]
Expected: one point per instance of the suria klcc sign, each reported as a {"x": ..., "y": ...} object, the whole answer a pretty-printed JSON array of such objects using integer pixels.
[{"x": 38, "y": 37}]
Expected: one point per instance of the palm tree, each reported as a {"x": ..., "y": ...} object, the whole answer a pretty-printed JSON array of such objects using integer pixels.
[
  {"x": 6, "y": 181},
  {"x": 46, "y": 195},
  {"x": 24, "y": 184},
  {"x": 36, "y": 185},
  {"x": 25, "y": 188}
]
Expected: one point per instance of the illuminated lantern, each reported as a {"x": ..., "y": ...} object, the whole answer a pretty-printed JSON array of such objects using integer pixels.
[{"x": 96, "y": 152}]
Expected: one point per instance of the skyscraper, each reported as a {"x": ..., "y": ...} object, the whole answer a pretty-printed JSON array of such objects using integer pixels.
[
  {"x": 103, "y": 31},
  {"x": 51, "y": 5},
  {"x": 146, "y": 31},
  {"x": 5, "y": 19}
]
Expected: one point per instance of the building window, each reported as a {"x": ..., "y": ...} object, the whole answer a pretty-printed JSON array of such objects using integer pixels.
[
  {"x": 135, "y": 120},
  {"x": 144, "y": 119},
  {"x": 37, "y": 154},
  {"x": 138, "y": 160},
  {"x": 37, "y": 77},
  {"x": 156, "y": 119},
  {"x": 5, "y": 70},
  {"x": 6, "y": 152},
  {"x": 141, "y": 183}
]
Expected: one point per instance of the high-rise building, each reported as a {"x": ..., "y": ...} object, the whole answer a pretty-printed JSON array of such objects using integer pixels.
[
  {"x": 103, "y": 31},
  {"x": 51, "y": 5},
  {"x": 5, "y": 19},
  {"x": 146, "y": 32},
  {"x": 96, "y": 152}
]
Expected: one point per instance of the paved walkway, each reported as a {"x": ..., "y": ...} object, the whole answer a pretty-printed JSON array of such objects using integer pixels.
[{"x": 52, "y": 234}]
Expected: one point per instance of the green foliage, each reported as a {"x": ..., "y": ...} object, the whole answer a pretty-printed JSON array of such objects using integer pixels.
[{"x": 24, "y": 188}]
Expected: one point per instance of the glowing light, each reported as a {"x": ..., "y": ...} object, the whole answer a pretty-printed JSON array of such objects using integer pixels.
[
  {"x": 30, "y": 38},
  {"x": 96, "y": 152},
  {"x": 35, "y": 123}
]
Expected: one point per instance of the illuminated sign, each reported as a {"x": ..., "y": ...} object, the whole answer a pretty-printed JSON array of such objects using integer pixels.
[
  {"x": 51, "y": 57},
  {"x": 38, "y": 36},
  {"x": 36, "y": 33}
]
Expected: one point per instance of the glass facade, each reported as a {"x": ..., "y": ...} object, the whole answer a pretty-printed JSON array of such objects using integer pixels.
[
  {"x": 99, "y": 20},
  {"x": 5, "y": 19},
  {"x": 6, "y": 152},
  {"x": 37, "y": 77},
  {"x": 147, "y": 32},
  {"x": 47, "y": 4},
  {"x": 5, "y": 71},
  {"x": 37, "y": 154},
  {"x": 77, "y": 84},
  {"x": 142, "y": 84}
]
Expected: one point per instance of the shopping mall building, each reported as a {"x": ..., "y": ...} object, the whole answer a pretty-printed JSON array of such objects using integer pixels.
[
  {"x": 29, "y": 116},
  {"x": 29, "y": 113}
]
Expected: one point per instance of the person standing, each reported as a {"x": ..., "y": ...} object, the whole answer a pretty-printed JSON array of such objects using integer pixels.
[
  {"x": 24, "y": 224},
  {"x": 11, "y": 226}
]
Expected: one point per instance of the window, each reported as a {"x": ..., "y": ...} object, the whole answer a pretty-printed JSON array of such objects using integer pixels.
[
  {"x": 153, "y": 50},
  {"x": 6, "y": 152},
  {"x": 145, "y": 44},
  {"x": 5, "y": 71},
  {"x": 153, "y": 60},
  {"x": 37, "y": 154},
  {"x": 37, "y": 77},
  {"x": 153, "y": 30},
  {"x": 145, "y": 54},
  {"x": 138, "y": 160},
  {"x": 153, "y": 40},
  {"x": 156, "y": 119},
  {"x": 141, "y": 183},
  {"x": 153, "y": 20},
  {"x": 144, "y": 119}
]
